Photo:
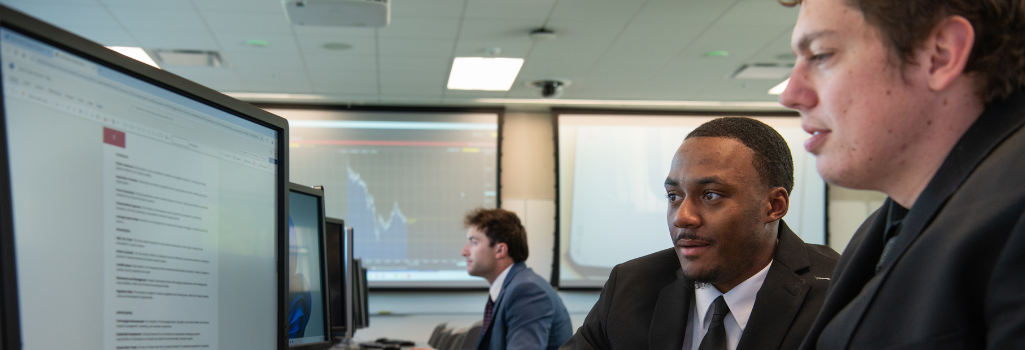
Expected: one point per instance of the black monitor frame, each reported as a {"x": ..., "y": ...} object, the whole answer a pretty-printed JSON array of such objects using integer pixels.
[
  {"x": 10, "y": 333},
  {"x": 325, "y": 295},
  {"x": 344, "y": 247}
]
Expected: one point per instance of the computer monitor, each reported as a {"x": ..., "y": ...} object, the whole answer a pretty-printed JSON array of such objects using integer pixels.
[
  {"x": 360, "y": 293},
  {"x": 139, "y": 209},
  {"x": 339, "y": 252},
  {"x": 307, "y": 316}
]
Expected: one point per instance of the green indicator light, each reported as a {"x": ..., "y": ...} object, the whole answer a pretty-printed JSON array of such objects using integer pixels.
[{"x": 720, "y": 53}]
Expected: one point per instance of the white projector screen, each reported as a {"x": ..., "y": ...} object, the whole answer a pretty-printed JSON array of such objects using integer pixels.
[
  {"x": 612, "y": 205},
  {"x": 403, "y": 181}
]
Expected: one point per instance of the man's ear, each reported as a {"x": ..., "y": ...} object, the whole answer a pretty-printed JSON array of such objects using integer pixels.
[
  {"x": 779, "y": 203},
  {"x": 947, "y": 49},
  {"x": 501, "y": 251}
]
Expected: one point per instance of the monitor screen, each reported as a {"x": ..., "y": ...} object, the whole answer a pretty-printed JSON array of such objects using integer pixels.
[
  {"x": 306, "y": 302},
  {"x": 144, "y": 215},
  {"x": 336, "y": 257},
  {"x": 612, "y": 170},
  {"x": 404, "y": 182}
]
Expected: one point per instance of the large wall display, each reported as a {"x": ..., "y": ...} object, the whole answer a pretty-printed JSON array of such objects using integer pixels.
[{"x": 404, "y": 181}]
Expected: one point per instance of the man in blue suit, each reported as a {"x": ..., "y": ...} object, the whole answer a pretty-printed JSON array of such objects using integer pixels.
[{"x": 523, "y": 312}]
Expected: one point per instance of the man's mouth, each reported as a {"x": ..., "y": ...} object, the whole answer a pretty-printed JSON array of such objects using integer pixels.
[
  {"x": 692, "y": 247},
  {"x": 818, "y": 137}
]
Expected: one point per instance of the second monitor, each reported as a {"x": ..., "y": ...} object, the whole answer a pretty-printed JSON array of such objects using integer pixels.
[{"x": 307, "y": 315}]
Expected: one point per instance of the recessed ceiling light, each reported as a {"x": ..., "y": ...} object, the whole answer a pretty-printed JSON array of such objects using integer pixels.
[
  {"x": 134, "y": 52},
  {"x": 719, "y": 53},
  {"x": 202, "y": 58},
  {"x": 337, "y": 46},
  {"x": 778, "y": 89},
  {"x": 484, "y": 73},
  {"x": 257, "y": 43}
]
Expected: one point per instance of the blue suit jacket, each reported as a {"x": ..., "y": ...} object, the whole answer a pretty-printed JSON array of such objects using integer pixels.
[{"x": 527, "y": 315}]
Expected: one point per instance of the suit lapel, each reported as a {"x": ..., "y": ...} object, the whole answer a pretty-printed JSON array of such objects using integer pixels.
[
  {"x": 496, "y": 311},
  {"x": 670, "y": 316},
  {"x": 780, "y": 296},
  {"x": 999, "y": 121}
]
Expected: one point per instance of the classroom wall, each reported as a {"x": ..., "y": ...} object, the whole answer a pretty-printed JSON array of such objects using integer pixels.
[{"x": 528, "y": 188}]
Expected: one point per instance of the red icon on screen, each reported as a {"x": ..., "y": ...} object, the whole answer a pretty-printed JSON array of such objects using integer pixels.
[{"x": 113, "y": 137}]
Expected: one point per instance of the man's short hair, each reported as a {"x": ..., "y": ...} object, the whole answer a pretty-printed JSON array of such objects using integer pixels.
[
  {"x": 998, "y": 55},
  {"x": 772, "y": 157},
  {"x": 501, "y": 226}
]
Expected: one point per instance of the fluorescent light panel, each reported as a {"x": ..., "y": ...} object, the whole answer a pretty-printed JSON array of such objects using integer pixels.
[
  {"x": 778, "y": 89},
  {"x": 484, "y": 73},
  {"x": 134, "y": 52}
]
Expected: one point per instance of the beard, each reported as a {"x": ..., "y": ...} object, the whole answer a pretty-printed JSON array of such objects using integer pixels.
[{"x": 730, "y": 267}]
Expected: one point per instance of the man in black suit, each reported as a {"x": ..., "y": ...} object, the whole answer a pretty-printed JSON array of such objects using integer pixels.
[
  {"x": 737, "y": 277},
  {"x": 922, "y": 100}
]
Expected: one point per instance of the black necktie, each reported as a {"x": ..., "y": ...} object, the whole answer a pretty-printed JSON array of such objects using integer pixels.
[
  {"x": 715, "y": 339},
  {"x": 487, "y": 316}
]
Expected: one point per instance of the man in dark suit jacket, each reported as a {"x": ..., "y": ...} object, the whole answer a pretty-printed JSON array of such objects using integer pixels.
[
  {"x": 523, "y": 312},
  {"x": 738, "y": 277},
  {"x": 922, "y": 100}
]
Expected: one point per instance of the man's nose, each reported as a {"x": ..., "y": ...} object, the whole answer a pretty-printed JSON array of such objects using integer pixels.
[{"x": 686, "y": 216}]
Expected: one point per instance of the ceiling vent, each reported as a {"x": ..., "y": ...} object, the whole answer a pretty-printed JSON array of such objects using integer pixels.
[
  {"x": 195, "y": 58},
  {"x": 774, "y": 71},
  {"x": 338, "y": 13}
]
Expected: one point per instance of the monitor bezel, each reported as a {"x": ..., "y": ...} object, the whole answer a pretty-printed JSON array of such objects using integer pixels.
[
  {"x": 346, "y": 282},
  {"x": 325, "y": 295},
  {"x": 10, "y": 332}
]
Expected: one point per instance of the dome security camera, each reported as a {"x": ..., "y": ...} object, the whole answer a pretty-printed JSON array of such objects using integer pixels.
[{"x": 550, "y": 88}]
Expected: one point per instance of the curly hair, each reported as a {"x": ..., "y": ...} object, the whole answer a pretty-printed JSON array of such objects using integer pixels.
[
  {"x": 772, "y": 158},
  {"x": 501, "y": 226},
  {"x": 998, "y": 56}
]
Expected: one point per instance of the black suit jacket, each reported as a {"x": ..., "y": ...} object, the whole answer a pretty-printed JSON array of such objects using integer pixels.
[
  {"x": 955, "y": 277},
  {"x": 646, "y": 302}
]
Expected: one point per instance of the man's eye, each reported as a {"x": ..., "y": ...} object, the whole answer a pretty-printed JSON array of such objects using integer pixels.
[
  {"x": 712, "y": 196},
  {"x": 820, "y": 57},
  {"x": 672, "y": 197}
]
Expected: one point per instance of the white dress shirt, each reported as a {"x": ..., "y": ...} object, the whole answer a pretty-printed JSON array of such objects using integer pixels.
[
  {"x": 740, "y": 299},
  {"x": 496, "y": 288}
]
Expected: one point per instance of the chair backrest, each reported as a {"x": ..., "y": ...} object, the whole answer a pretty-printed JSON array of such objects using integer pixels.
[
  {"x": 436, "y": 335},
  {"x": 445, "y": 339},
  {"x": 457, "y": 342},
  {"x": 471, "y": 336}
]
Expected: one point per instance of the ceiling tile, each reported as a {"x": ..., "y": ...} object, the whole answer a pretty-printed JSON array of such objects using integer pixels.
[
  {"x": 420, "y": 28},
  {"x": 170, "y": 20},
  {"x": 247, "y": 22},
  {"x": 151, "y": 4},
  {"x": 265, "y": 6},
  {"x": 68, "y": 15},
  {"x": 15, "y": 3},
  {"x": 341, "y": 62},
  {"x": 104, "y": 35},
  {"x": 341, "y": 32},
  {"x": 341, "y": 83},
  {"x": 451, "y": 9},
  {"x": 434, "y": 65},
  {"x": 181, "y": 39},
  {"x": 601, "y": 11},
  {"x": 760, "y": 12},
  {"x": 741, "y": 41},
  {"x": 532, "y": 10},
  {"x": 684, "y": 11},
  {"x": 314, "y": 45},
  {"x": 236, "y": 42},
  {"x": 586, "y": 32},
  {"x": 776, "y": 51},
  {"x": 416, "y": 47},
  {"x": 514, "y": 47},
  {"x": 496, "y": 29},
  {"x": 244, "y": 60}
]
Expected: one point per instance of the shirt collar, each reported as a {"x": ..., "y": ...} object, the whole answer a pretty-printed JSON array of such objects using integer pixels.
[
  {"x": 740, "y": 299},
  {"x": 496, "y": 288}
]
